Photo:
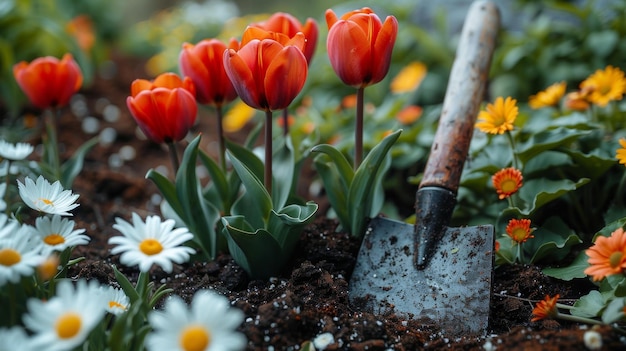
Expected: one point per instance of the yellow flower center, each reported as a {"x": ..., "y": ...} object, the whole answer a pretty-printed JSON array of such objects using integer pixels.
[
  {"x": 9, "y": 257},
  {"x": 615, "y": 259},
  {"x": 54, "y": 239},
  {"x": 68, "y": 325},
  {"x": 46, "y": 201},
  {"x": 150, "y": 247},
  {"x": 519, "y": 234},
  {"x": 508, "y": 186},
  {"x": 113, "y": 305},
  {"x": 195, "y": 338}
]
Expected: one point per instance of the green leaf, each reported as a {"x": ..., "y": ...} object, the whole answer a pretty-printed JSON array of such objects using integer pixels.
[
  {"x": 256, "y": 252},
  {"x": 590, "y": 305},
  {"x": 127, "y": 286},
  {"x": 336, "y": 189},
  {"x": 539, "y": 192},
  {"x": 255, "y": 204},
  {"x": 218, "y": 181},
  {"x": 247, "y": 157},
  {"x": 344, "y": 169},
  {"x": 167, "y": 189},
  {"x": 287, "y": 224},
  {"x": 548, "y": 140},
  {"x": 283, "y": 164},
  {"x": 613, "y": 312},
  {"x": 73, "y": 166},
  {"x": 360, "y": 197},
  {"x": 552, "y": 240},
  {"x": 199, "y": 216},
  {"x": 574, "y": 270}
]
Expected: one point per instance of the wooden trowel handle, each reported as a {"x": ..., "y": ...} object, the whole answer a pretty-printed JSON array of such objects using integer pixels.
[
  {"x": 436, "y": 196},
  {"x": 464, "y": 94}
]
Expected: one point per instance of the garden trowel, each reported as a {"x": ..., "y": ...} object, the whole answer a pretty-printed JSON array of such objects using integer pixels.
[{"x": 430, "y": 271}]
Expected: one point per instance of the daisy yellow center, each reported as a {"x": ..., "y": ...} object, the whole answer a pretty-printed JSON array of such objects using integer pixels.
[
  {"x": 615, "y": 259},
  {"x": 150, "y": 246},
  {"x": 508, "y": 185},
  {"x": 116, "y": 305},
  {"x": 54, "y": 239},
  {"x": 9, "y": 257},
  {"x": 46, "y": 201},
  {"x": 68, "y": 325},
  {"x": 195, "y": 338}
]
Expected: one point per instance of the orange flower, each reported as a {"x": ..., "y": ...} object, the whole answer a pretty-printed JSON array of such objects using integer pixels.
[
  {"x": 81, "y": 27},
  {"x": 267, "y": 74},
  {"x": 288, "y": 25},
  {"x": 498, "y": 117},
  {"x": 165, "y": 109},
  {"x": 605, "y": 85},
  {"x": 549, "y": 97},
  {"x": 48, "y": 81},
  {"x": 359, "y": 46},
  {"x": 519, "y": 230},
  {"x": 204, "y": 64},
  {"x": 507, "y": 182},
  {"x": 409, "y": 114},
  {"x": 577, "y": 100},
  {"x": 607, "y": 256},
  {"x": 620, "y": 154},
  {"x": 545, "y": 308}
]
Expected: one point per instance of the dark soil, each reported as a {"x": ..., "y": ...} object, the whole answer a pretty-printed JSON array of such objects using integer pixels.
[{"x": 311, "y": 296}]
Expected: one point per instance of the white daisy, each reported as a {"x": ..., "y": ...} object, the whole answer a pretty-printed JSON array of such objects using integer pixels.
[
  {"x": 14, "y": 338},
  {"x": 15, "y": 152},
  {"x": 45, "y": 197},
  {"x": 65, "y": 321},
  {"x": 116, "y": 300},
  {"x": 58, "y": 233},
  {"x": 152, "y": 242},
  {"x": 209, "y": 325},
  {"x": 8, "y": 226},
  {"x": 20, "y": 254}
]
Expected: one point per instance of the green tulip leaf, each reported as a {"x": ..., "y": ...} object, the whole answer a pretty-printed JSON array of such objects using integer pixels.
[
  {"x": 256, "y": 252},
  {"x": 219, "y": 182},
  {"x": 287, "y": 224},
  {"x": 344, "y": 169},
  {"x": 361, "y": 196},
  {"x": 283, "y": 168},
  {"x": 247, "y": 157},
  {"x": 336, "y": 189},
  {"x": 255, "y": 204},
  {"x": 73, "y": 166},
  {"x": 168, "y": 190}
]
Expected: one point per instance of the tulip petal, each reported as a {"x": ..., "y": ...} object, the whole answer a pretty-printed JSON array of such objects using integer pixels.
[
  {"x": 311, "y": 32},
  {"x": 383, "y": 48},
  {"x": 240, "y": 73},
  {"x": 285, "y": 77},
  {"x": 180, "y": 113},
  {"x": 139, "y": 85},
  {"x": 331, "y": 18},
  {"x": 142, "y": 109},
  {"x": 168, "y": 80},
  {"x": 349, "y": 53}
]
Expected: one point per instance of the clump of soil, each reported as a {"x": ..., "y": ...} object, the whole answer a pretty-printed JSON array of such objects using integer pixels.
[{"x": 310, "y": 296}]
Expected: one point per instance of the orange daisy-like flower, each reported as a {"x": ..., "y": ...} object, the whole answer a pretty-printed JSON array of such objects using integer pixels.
[
  {"x": 578, "y": 100},
  {"x": 498, "y": 117},
  {"x": 507, "y": 182},
  {"x": 607, "y": 256},
  {"x": 605, "y": 85},
  {"x": 620, "y": 154},
  {"x": 545, "y": 308},
  {"x": 519, "y": 230},
  {"x": 549, "y": 97}
]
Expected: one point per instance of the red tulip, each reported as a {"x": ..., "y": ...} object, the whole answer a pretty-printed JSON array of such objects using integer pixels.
[
  {"x": 267, "y": 74},
  {"x": 165, "y": 109},
  {"x": 48, "y": 81},
  {"x": 360, "y": 45},
  {"x": 204, "y": 64},
  {"x": 288, "y": 25}
]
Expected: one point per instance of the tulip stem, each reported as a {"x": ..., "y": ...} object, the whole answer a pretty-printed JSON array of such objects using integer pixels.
[
  {"x": 358, "y": 133},
  {"x": 268, "y": 152},
  {"x": 285, "y": 122},
  {"x": 173, "y": 156},
  {"x": 220, "y": 134},
  {"x": 51, "y": 146}
]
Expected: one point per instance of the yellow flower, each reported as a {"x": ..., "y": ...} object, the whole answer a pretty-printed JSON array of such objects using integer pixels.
[
  {"x": 545, "y": 308},
  {"x": 507, "y": 182},
  {"x": 605, "y": 85},
  {"x": 519, "y": 230},
  {"x": 607, "y": 256},
  {"x": 549, "y": 97},
  {"x": 620, "y": 154},
  {"x": 409, "y": 78},
  {"x": 237, "y": 117},
  {"x": 499, "y": 116}
]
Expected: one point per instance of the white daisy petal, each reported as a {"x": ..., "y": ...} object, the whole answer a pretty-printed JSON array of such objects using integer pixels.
[
  {"x": 15, "y": 152},
  {"x": 45, "y": 197},
  {"x": 15, "y": 338},
  {"x": 58, "y": 233},
  {"x": 153, "y": 242},
  {"x": 20, "y": 254},
  {"x": 200, "y": 325}
]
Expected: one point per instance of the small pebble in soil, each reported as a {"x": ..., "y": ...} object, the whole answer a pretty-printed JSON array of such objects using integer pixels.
[
  {"x": 322, "y": 341},
  {"x": 127, "y": 153},
  {"x": 78, "y": 105},
  {"x": 90, "y": 125},
  {"x": 108, "y": 136},
  {"x": 593, "y": 340},
  {"x": 111, "y": 113}
]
